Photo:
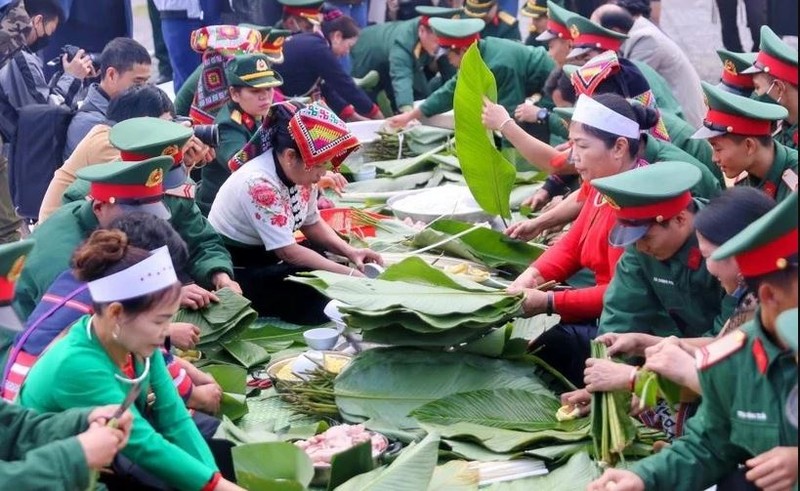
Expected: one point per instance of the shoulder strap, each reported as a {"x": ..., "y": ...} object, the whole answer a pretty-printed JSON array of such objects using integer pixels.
[{"x": 720, "y": 349}]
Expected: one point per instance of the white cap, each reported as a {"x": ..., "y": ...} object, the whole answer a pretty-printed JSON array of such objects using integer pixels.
[{"x": 149, "y": 276}]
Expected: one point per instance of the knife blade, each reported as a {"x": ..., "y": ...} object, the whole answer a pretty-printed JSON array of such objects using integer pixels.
[{"x": 133, "y": 393}]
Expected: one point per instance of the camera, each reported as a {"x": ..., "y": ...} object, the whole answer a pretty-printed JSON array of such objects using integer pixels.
[
  {"x": 206, "y": 133},
  {"x": 71, "y": 50}
]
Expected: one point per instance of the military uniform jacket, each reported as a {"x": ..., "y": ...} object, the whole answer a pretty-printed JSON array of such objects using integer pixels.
[
  {"x": 746, "y": 380},
  {"x": 680, "y": 135},
  {"x": 235, "y": 130},
  {"x": 676, "y": 297},
  {"x": 788, "y": 135},
  {"x": 41, "y": 451},
  {"x": 207, "y": 253},
  {"x": 781, "y": 179},
  {"x": 656, "y": 150},
  {"x": 504, "y": 26},
  {"x": 393, "y": 50},
  {"x": 518, "y": 69}
]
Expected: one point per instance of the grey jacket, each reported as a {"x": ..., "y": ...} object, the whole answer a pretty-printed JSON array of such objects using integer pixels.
[{"x": 92, "y": 111}]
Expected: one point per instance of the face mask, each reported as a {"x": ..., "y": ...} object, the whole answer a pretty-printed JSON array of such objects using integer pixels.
[
  {"x": 778, "y": 100},
  {"x": 42, "y": 40}
]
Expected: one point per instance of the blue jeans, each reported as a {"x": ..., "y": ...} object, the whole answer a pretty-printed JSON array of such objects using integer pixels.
[
  {"x": 183, "y": 59},
  {"x": 357, "y": 12}
]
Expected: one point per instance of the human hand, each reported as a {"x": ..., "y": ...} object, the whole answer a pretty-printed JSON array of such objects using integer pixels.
[
  {"x": 493, "y": 115},
  {"x": 206, "y": 398},
  {"x": 401, "y": 120},
  {"x": 333, "y": 180},
  {"x": 526, "y": 229},
  {"x": 537, "y": 200},
  {"x": 361, "y": 256},
  {"x": 528, "y": 113},
  {"x": 774, "y": 470},
  {"x": 103, "y": 414},
  {"x": 535, "y": 302},
  {"x": 223, "y": 280},
  {"x": 80, "y": 66},
  {"x": 195, "y": 152},
  {"x": 606, "y": 375},
  {"x": 100, "y": 444},
  {"x": 196, "y": 297},
  {"x": 627, "y": 343},
  {"x": 580, "y": 398},
  {"x": 617, "y": 480},
  {"x": 183, "y": 335},
  {"x": 673, "y": 362},
  {"x": 528, "y": 279}
]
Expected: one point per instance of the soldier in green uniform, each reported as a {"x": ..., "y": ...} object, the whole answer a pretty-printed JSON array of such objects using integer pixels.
[
  {"x": 518, "y": 69},
  {"x": 137, "y": 139},
  {"x": 746, "y": 377},
  {"x": 536, "y": 10},
  {"x": 251, "y": 83},
  {"x": 787, "y": 331},
  {"x": 499, "y": 24},
  {"x": 590, "y": 39},
  {"x": 775, "y": 75},
  {"x": 116, "y": 188},
  {"x": 557, "y": 35},
  {"x": 300, "y": 15},
  {"x": 661, "y": 285},
  {"x": 733, "y": 78},
  {"x": 405, "y": 54},
  {"x": 739, "y": 130},
  {"x": 50, "y": 451}
]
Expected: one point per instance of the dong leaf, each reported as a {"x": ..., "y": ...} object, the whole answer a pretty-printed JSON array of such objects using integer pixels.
[
  {"x": 489, "y": 175},
  {"x": 500, "y": 440},
  {"x": 272, "y": 466},
  {"x": 577, "y": 473}
]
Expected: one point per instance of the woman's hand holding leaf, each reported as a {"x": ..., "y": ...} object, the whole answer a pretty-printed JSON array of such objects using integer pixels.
[
  {"x": 538, "y": 199},
  {"x": 530, "y": 278},
  {"x": 206, "y": 398},
  {"x": 359, "y": 257},
  {"x": 535, "y": 302},
  {"x": 493, "y": 115},
  {"x": 526, "y": 229},
  {"x": 672, "y": 362},
  {"x": 606, "y": 375},
  {"x": 629, "y": 343},
  {"x": 580, "y": 398}
]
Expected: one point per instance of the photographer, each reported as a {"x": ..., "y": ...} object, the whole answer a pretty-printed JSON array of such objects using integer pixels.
[
  {"x": 22, "y": 83},
  {"x": 123, "y": 63}
]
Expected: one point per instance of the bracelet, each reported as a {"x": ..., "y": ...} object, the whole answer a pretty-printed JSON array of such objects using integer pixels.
[
  {"x": 550, "y": 299},
  {"x": 632, "y": 378},
  {"x": 500, "y": 128}
]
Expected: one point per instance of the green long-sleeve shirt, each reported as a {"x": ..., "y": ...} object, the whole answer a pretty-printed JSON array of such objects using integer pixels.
[
  {"x": 41, "y": 451},
  {"x": 167, "y": 444},
  {"x": 519, "y": 71},
  {"x": 780, "y": 175},
  {"x": 742, "y": 415}
]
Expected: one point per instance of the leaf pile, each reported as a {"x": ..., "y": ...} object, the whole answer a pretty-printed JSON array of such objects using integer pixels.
[{"x": 415, "y": 304}]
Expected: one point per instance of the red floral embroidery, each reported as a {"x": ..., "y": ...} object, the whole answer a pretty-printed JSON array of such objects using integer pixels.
[
  {"x": 278, "y": 220},
  {"x": 305, "y": 194},
  {"x": 263, "y": 195},
  {"x": 258, "y": 216}
]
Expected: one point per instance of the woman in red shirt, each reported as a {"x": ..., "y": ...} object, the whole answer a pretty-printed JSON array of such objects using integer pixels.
[{"x": 604, "y": 138}]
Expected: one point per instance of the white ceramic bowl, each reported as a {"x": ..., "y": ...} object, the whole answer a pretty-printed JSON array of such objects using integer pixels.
[{"x": 321, "y": 338}]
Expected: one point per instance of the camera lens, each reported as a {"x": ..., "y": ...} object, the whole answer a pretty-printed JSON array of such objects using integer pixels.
[{"x": 207, "y": 133}]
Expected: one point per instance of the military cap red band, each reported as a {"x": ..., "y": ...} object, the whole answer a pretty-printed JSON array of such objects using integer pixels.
[
  {"x": 768, "y": 257},
  {"x": 110, "y": 193},
  {"x": 458, "y": 42},
  {"x": 424, "y": 21},
  {"x": 742, "y": 81},
  {"x": 663, "y": 210},
  {"x": 777, "y": 67},
  {"x": 301, "y": 11},
  {"x": 560, "y": 30},
  {"x": 126, "y": 156},
  {"x": 738, "y": 125},
  {"x": 596, "y": 41},
  {"x": 6, "y": 290}
]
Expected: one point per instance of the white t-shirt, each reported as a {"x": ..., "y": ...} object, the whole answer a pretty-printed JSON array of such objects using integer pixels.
[{"x": 255, "y": 207}]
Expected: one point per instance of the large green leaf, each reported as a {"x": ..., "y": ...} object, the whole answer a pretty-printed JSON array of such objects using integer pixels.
[
  {"x": 388, "y": 383},
  {"x": 247, "y": 353},
  {"x": 455, "y": 475},
  {"x": 233, "y": 381},
  {"x": 352, "y": 462},
  {"x": 476, "y": 452},
  {"x": 578, "y": 472},
  {"x": 500, "y": 440},
  {"x": 385, "y": 184},
  {"x": 412, "y": 471},
  {"x": 416, "y": 270},
  {"x": 489, "y": 175},
  {"x": 272, "y": 466},
  {"x": 511, "y": 409}
]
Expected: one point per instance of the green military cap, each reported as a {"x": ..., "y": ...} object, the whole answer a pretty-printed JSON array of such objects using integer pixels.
[
  {"x": 134, "y": 186},
  {"x": 767, "y": 245},
  {"x": 731, "y": 113},
  {"x": 478, "y": 8},
  {"x": 733, "y": 64},
  {"x": 534, "y": 8},
  {"x": 428, "y": 12},
  {"x": 457, "y": 33},
  {"x": 787, "y": 328},
  {"x": 557, "y": 22},
  {"x": 271, "y": 40},
  {"x": 12, "y": 259},
  {"x": 646, "y": 195},
  {"x": 252, "y": 70},
  {"x": 775, "y": 58},
  {"x": 143, "y": 138},
  {"x": 587, "y": 36}
]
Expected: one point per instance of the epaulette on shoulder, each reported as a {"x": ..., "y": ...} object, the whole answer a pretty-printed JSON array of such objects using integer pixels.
[
  {"x": 720, "y": 349},
  {"x": 236, "y": 116},
  {"x": 185, "y": 191},
  {"x": 790, "y": 179},
  {"x": 507, "y": 18},
  {"x": 741, "y": 177}
]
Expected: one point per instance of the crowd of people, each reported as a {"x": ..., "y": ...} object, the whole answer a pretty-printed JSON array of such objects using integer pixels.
[{"x": 679, "y": 196}]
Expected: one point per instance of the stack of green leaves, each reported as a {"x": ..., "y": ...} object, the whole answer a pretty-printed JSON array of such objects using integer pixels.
[
  {"x": 415, "y": 304},
  {"x": 649, "y": 387},
  {"x": 613, "y": 430}
]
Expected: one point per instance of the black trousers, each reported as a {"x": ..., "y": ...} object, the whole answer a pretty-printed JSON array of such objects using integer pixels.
[
  {"x": 565, "y": 347},
  {"x": 263, "y": 280},
  {"x": 756, "y": 17}
]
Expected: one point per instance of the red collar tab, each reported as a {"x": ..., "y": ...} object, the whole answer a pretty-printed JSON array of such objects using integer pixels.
[
  {"x": 661, "y": 211},
  {"x": 777, "y": 67},
  {"x": 760, "y": 355},
  {"x": 768, "y": 257},
  {"x": 695, "y": 259}
]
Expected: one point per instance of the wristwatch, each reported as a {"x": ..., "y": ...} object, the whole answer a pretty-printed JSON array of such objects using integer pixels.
[{"x": 542, "y": 115}]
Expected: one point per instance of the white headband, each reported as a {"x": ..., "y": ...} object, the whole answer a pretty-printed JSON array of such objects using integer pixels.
[
  {"x": 151, "y": 275},
  {"x": 589, "y": 111}
]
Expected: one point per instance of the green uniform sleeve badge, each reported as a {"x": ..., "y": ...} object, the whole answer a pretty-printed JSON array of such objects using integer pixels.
[{"x": 720, "y": 349}]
